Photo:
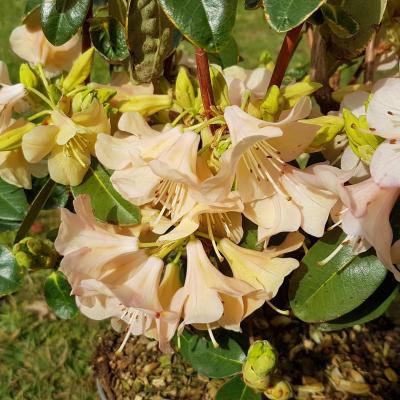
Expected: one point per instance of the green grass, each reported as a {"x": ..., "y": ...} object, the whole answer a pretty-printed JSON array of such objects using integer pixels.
[{"x": 44, "y": 358}]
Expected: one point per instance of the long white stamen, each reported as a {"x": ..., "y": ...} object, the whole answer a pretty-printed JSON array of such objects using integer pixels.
[
  {"x": 214, "y": 342},
  {"x": 211, "y": 235}
]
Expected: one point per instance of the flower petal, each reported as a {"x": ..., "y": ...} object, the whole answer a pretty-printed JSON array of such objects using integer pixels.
[{"x": 39, "y": 142}]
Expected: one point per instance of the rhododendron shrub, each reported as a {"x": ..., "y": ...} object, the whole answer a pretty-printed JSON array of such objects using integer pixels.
[{"x": 191, "y": 191}]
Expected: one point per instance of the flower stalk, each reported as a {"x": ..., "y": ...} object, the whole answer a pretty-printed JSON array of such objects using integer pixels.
[{"x": 203, "y": 74}]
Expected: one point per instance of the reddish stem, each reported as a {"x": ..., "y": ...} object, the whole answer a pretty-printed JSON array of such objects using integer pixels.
[
  {"x": 369, "y": 65},
  {"x": 86, "y": 43},
  {"x": 285, "y": 54},
  {"x": 203, "y": 74}
]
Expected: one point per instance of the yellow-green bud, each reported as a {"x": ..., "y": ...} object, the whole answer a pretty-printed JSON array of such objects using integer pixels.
[
  {"x": 280, "y": 390},
  {"x": 104, "y": 95},
  {"x": 272, "y": 105},
  {"x": 35, "y": 253},
  {"x": 293, "y": 93},
  {"x": 27, "y": 76},
  {"x": 184, "y": 91},
  {"x": 260, "y": 364},
  {"x": 80, "y": 70},
  {"x": 219, "y": 87},
  {"x": 362, "y": 142},
  {"x": 331, "y": 125},
  {"x": 11, "y": 139},
  {"x": 146, "y": 104}
]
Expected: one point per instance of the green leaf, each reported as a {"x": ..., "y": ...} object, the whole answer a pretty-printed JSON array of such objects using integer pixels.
[
  {"x": 57, "y": 293},
  {"x": 7, "y": 226},
  {"x": 323, "y": 293},
  {"x": 108, "y": 38},
  {"x": 61, "y": 19},
  {"x": 108, "y": 205},
  {"x": 226, "y": 360},
  {"x": 341, "y": 23},
  {"x": 252, "y": 4},
  {"x": 150, "y": 41},
  {"x": 10, "y": 273},
  {"x": 250, "y": 236},
  {"x": 371, "y": 309},
  {"x": 34, "y": 209},
  {"x": 118, "y": 10},
  {"x": 236, "y": 389},
  {"x": 227, "y": 55},
  {"x": 206, "y": 23},
  {"x": 368, "y": 15},
  {"x": 32, "y": 5},
  {"x": 13, "y": 204},
  {"x": 284, "y": 15}
]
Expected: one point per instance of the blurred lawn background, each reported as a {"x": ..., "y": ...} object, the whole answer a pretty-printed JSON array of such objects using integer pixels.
[{"x": 44, "y": 358}]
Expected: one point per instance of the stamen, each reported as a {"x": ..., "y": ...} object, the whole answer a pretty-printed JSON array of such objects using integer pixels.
[
  {"x": 214, "y": 244},
  {"x": 214, "y": 342},
  {"x": 278, "y": 310},
  {"x": 128, "y": 333},
  {"x": 334, "y": 252}
]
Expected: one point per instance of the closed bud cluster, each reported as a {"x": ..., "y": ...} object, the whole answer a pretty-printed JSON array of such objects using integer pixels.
[{"x": 35, "y": 253}]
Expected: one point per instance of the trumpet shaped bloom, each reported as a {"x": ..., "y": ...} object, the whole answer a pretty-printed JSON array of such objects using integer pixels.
[
  {"x": 208, "y": 296},
  {"x": 29, "y": 43},
  {"x": 69, "y": 142}
]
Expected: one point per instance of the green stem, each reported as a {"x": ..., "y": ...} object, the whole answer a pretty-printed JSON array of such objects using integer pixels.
[
  {"x": 45, "y": 83},
  {"x": 34, "y": 209},
  {"x": 42, "y": 97},
  {"x": 38, "y": 115},
  {"x": 179, "y": 117}
]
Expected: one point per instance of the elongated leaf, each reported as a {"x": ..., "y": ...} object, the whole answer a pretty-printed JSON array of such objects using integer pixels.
[
  {"x": 226, "y": 360},
  {"x": 150, "y": 41},
  {"x": 13, "y": 204},
  {"x": 206, "y": 23},
  {"x": 61, "y": 19},
  {"x": 118, "y": 10},
  {"x": 341, "y": 23},
  {"x": 371, "y": 309},
  {"x": 108, "y": 38},
  {"x": 107, "y": 203},
  {"x": 34, "y": 209},
  {"x": 284, "y": 15},
  {"x": 367, "y": 14},
  {"x": 10, "y": 272},
  {"x": 227, "y": 55},
  {"x": 57, "y": 293},
  {"x": 323, "y": 293},
  {"x": 236, "y": 389}
]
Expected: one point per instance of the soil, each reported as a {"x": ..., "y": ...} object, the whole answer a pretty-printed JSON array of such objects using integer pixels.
[{"x": 361, "y": 362}]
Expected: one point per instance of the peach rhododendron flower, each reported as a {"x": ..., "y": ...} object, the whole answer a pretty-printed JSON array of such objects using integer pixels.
[
  {"x": 29, "y": 43},
  {"x": 69, "y": 142},
  {"x": 209, "y": 297}
]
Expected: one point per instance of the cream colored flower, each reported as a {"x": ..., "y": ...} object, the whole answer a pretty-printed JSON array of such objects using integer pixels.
[
  {"x": 69, "y": 142},
  {"x": 208, "y": 297},
  {"x": 14, "y": 169},
  {"x": 29, "y": 43},
  {"x": 262, "y": 270}
]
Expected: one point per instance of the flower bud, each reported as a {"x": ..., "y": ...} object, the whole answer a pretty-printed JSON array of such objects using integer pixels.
[
  {"x": 35, "y": 253},
  {"x": 259, "y": 365},
  {"x": 281, "y": 390},
  {"x": 362, "y": 142},
  {"x": 293, "y": 93},
  {"x": 184, "y": 91},
  {"x": 147, "y": 104},
  {"x": 27, "y": 76},
  {"x": 219, "y": 87},
  {"x": 11, "y": 139},
  {"x": 80, "y": 71},
  {"x": 272, "y": 105}
]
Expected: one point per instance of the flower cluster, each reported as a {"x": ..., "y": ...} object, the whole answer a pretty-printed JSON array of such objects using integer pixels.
[{"x": 199, "y": 182}]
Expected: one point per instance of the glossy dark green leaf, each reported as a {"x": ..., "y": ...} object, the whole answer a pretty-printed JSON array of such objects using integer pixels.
[
  {"x": 340, "y": 22},
  {"x": 10, "y": 272},
  {"x": 236, "y": 389},
  {"x": 13, "y": 204},
  {"x": 323, "y": 293},
  {"x": 225, "y": 360},
  {"x": 6, "y": 226},
  {"x": 57, "y": 293},
  {"x": 107, "y": 203},
  {"x": 150, "y": 41},
  {"x": 108, "y": 38},
  {"x": 32, "y": 5},
  {"x": 284, "y": 15},
  {"x": 371, "y": 309},
  {"x": 227, "y": 55},
  {"x": 61, "y": 19},
  {"x": 207, "y": 24}
]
